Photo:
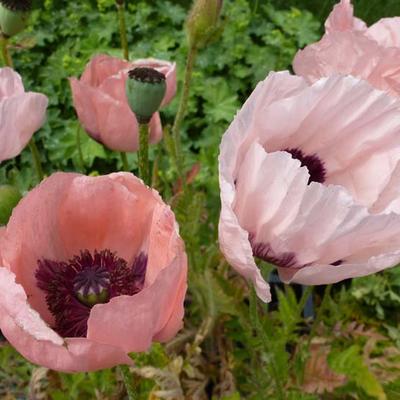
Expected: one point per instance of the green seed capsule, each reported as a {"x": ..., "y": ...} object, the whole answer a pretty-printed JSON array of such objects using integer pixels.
[
  {"x": 12, "y": 20},
  {"x": 145, "y": 90}
]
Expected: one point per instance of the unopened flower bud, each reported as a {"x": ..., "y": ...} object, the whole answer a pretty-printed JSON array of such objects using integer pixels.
[
  {"x": 9, "y": 198},
  {"x": 14, "y": 16},
  {"x": 145, "y": 90},
  {"x": 203, "y": 20}
]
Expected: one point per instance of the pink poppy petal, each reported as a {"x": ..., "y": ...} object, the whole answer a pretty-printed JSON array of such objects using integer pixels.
[
  {"x": 131, "y": 322},
  {"x": 386, "y": 32},
  {"x": 21, "y": 116},
  {"x": 327, "y": 274},
  {"x": 84, "y": 99},
  {"x": 10, "y": 83},
  {"x": 341, "y": 19},
  {"x": 109, "y": 216},
  {"x": 31, "y": 336},
  {"x": 101, "y": 67},
  {"x": 33, "y": 233}
]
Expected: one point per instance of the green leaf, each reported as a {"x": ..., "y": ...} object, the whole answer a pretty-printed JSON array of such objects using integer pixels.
[{"x": 350, "y": 363}]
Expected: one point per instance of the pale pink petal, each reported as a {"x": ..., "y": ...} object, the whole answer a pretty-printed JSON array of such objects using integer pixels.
[
  {"x": 317, "y": 274},
  {"x": 386, "y": 32},
  {"x": 341, "y": 19},
  {"x": 21, "y": 116},
  {"x": 27, "y": 332},
  {"x": 342, "y": 113},
  {"x": 233, "y": 238},
  {"x": 10, "y": 83}
]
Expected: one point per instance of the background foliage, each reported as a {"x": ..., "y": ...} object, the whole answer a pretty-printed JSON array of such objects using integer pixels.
[{"x": 231, "y": 348}]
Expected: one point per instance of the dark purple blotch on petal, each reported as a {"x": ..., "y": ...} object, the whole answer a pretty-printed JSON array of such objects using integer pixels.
[
  {"x": 265, "y": 252},
  {"x": 72, "y": 288},
  {"x": 315, "y": 166}
]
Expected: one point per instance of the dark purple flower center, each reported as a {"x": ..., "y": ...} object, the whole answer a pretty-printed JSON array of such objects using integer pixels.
[
  {"x": 314, "y": 165},
  {"x": 72, "y": 288}
]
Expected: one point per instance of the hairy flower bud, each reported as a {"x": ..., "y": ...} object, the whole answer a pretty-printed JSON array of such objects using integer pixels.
[
  {"x": 14, "y": 16},
  {"x": 203, "y": 20},
  {"x": 145, "y": 90},
  {"x": 9, "y": 198}
]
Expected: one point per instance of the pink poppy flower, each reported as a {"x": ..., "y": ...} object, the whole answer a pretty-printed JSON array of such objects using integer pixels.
[
  {"x": 93, "y": 268},
  {"x": 22, "y": 114},
  {"x": 102, "y": 107},
  {"x": 350, "y": 47},
  {"x": 310, "y": 181}
]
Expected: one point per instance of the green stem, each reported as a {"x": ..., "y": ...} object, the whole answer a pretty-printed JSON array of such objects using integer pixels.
[
  {"x": 125, "y": 163},
  {"x": 5, "y": 53},
  {"x": 255, "y": 320},
  {"x": 144, "y": 170},
  {"x": 255, "y": 9},
  {"x": 78, "y": 145},
  {"x": 36, "y": 159},
  {"x": 122, "y": 30},
  {"x": 191, "y": 58},
  {"x": 127, "y": 377}
]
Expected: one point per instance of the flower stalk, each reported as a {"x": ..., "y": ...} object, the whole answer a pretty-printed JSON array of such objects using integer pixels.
[
  {"x": 122, "y": 28},
  {"x": 143, "y": 155},
  {"x": 7, "y": 60},
  {"x": 127, "y": 378},
  {"x": 176, "y": 129},
  {"x": 36, "y": 160}
]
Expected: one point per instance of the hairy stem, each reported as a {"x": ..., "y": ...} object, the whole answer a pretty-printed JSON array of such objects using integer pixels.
[
  {"x": 176, "y": 129},
  {"x": 122, "y": 30},
  {"x": 257, "y": 325},
  {"x": 36, "y": 159},
  {"x": 125, "y": 163},
  {"x": 78, "y": 145},
  {"x": 5, "y": 53},
  {"x": 127, "y": 377},
  {"x": 144, "y": 170}
]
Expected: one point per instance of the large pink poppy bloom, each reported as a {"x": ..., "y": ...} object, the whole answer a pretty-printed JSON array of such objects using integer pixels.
[
  {"x": 350, "y": 47},
  {"x": 310, "y": 181},
  {"x": 101, "y": 104},
  {"x": 21, "y": 114},
  {"x": 93, "y": 268}
]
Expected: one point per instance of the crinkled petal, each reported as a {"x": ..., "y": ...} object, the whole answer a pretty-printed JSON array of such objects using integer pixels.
[
  {"x": 386, "y": 32},
  {"x": 342, "y": 19}
]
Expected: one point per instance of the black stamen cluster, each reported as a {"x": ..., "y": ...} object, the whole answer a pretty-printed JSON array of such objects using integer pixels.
[
  {"x": 17, "y": 5},
  {"x": 145, "y": 74}
]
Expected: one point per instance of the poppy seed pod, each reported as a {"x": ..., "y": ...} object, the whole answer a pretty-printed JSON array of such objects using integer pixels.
[
  {"x": 203, "y": 20},
  {"x": 9, "y": 198},
  {"x": 14, "y": 16},
  {"x": 145, "y": 90}
]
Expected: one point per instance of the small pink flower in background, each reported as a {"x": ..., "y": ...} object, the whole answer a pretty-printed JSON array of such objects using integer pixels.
[
  {"x": 310, "y": 181},
  {"x": 22, "y": 114},
  {"x": 350, "y": 47},
  {"x": 93, "y": 268},
  {"x": 102, "y": 107}
]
